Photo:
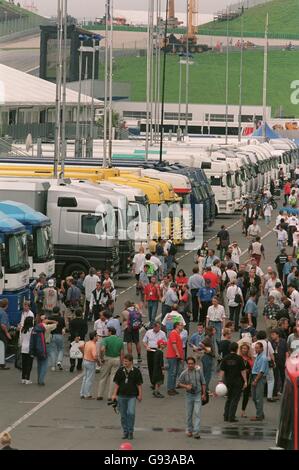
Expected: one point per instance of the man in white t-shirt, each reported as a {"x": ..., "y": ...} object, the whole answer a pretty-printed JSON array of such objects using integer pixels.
[
  {"x": 26, "y": 313},
  {"x": 89, "y": 284},
  {"x": 138, "y": 265},
  {"x": 294, "y": 296},
  {"x": 253, "y": 265}
]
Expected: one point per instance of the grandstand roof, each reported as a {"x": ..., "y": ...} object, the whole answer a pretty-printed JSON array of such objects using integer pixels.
[{"x": 21, "y": 89}]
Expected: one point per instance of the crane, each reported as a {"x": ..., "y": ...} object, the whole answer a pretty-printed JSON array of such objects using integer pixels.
[{"x": 179, "y": 45}]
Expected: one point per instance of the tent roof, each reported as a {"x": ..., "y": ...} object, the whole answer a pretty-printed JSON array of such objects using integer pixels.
[{"x": 18, "y": 88}]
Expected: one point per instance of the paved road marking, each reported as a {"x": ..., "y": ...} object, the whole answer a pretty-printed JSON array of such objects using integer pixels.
[{"x": 43, "y": 403}]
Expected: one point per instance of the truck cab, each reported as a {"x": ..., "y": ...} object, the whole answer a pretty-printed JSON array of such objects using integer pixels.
[
  {"x": 120, "y": 204},
  {"x": 15, "y": 275},
  {"x": 39, "y": 233}
]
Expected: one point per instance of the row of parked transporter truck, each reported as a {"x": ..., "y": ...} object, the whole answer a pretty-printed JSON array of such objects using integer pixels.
[{"x": 97, "y": 216}]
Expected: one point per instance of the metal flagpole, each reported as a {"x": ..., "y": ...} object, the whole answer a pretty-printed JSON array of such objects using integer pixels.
[
  {"x": 159, "y": 67},
  {"x": 78, "y": 152},
  {"x": 226, "y": 80},
  {"x": 152, "y": 70},
  {"x": 180, "y": 102},
  {"x": 148, "y": 73},
  {"x": 265, "y": 77},
  {"x": 110, "y": 82},
  {"x": 163, "y": 83},
  {"x": 106, "y": 85},
  {"x": 187, "y": 72},
  {"x": 58, "y": 92},
  {"x": 92, "y": 87},
  {"x": 156, "y": 72},
  {"x": 241, "y": 80},
  {"x": 64, "y": 73}
]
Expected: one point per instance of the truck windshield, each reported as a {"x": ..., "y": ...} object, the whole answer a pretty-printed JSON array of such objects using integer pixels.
[
  {"x": 135, "y": 208},
  {"x": 44, "y": 243},
  {"x": 229, "y": 180},
  {"x": 243, "y": 175},
  {"x": 238, "y": 178},
  {"x": 17, "y": 252}
]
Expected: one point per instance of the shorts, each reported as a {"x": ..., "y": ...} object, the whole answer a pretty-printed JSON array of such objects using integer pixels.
[{"x": 131, "y": 336}]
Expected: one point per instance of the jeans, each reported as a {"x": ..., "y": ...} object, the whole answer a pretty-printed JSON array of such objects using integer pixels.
[
  {"x": 207, "y": 365},
  {"x": 218, "y": 327},
  {"x": 234, "y": 314},
  {"x": 89, "y": 368},
  {"x": 258, "y": 396},
  {"x": 127, "y": 406},
  {"x": 152, "y": 310},
  {"x": 193, "y": 408},
  {"x": 234, "y": 391},
  {"x": 42, "y": 367},
  {"x": 267, "y": 219},
  {"x": 57, "y": 350},
  {"x": 270, "y": 383},
  {"x": 173, "y": 368}
]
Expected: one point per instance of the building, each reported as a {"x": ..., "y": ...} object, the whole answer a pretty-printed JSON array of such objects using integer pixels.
[
  {"x": 202, "y": 118},
  {"x": 28, "y": 106}
]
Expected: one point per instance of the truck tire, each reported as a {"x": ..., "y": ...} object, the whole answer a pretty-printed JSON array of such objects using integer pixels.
[{"x": 68, "y": 270}]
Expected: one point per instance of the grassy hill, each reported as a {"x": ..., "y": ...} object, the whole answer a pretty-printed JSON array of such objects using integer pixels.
[
  {"x": 207, "y": 78},
  {"x": 283, "y": 20}
]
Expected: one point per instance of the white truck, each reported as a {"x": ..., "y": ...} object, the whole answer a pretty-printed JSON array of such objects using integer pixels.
[{"x": 83, "y": 225}]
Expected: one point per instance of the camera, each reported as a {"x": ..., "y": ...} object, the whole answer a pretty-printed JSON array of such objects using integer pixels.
[{"x": 114, "y": 405}]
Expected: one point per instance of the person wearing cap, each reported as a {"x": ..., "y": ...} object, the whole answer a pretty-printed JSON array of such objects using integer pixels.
[
  {"x": 236, "y": 253},
  {"x": 158, "y": 368},
  {"x": 150, "y": 342}
]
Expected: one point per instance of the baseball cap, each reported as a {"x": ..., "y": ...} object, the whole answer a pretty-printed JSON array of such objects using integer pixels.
[
  {"x": 161, "y": 342},
  {"x": 51, "y": 282}
]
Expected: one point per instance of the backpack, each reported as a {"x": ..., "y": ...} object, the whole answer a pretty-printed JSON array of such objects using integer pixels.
[
  {"x": 37, "y": 346},
  {"x": 50, "y": 298},
  {"x": 293, "y": 201},
  {"x": 150, "y": 269},
  {"x": 172, "y": 250},
  {"x": 75, "y": 295},
  {"x": 134, "y": 320}
]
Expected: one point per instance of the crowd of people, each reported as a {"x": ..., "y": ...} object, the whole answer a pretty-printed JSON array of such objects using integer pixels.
[{"x": 224, "y": 298}]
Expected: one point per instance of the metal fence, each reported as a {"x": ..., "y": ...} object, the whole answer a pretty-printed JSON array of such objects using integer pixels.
[
  {"x": 247, "y": 34},
  {"x": 246, "y": 4},
  {"x": 17, "y": 25}
]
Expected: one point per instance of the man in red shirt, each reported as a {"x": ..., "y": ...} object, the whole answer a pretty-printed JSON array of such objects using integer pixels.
[
  {"x": 152, "y": 298},
  {"x": 287, "y": 191},
  {"x": 214, "y": 279},
  {"x": 174, "y": 355}
]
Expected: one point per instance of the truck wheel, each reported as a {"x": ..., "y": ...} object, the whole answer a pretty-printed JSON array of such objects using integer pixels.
[{"x": 68, "y": 270}]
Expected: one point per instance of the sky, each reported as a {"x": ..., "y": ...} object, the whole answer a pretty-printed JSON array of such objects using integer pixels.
[{"x": 96, "y": 8}]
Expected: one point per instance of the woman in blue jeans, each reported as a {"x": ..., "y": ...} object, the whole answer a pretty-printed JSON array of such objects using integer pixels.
[{"x": 128, "y": 387}]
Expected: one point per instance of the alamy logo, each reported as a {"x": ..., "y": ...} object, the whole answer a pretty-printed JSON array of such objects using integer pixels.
[{"x": 295, "y": 93}]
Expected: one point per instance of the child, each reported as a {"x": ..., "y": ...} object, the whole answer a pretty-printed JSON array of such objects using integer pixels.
[
  {"x": 246, "y": 329},
  {"x": 158, "y": 374},
  {"x": 76, "y": 353}
]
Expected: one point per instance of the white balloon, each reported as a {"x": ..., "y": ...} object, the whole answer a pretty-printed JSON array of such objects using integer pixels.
[{"x": 221, "y": 390}]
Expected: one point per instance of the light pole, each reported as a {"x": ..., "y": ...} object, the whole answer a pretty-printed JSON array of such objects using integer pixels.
[
  {"x": 241, "y": 81},
  {"x": 180, "y": 103},
  {"x": 64, "y": 74},
  {"x": 57, "y": 146},
  {"x": 78, "y": 147},
  {"x": 226, "y": 80},
  {"x": 110, "y": 82},
  {"x": 187, "y": 72}
]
